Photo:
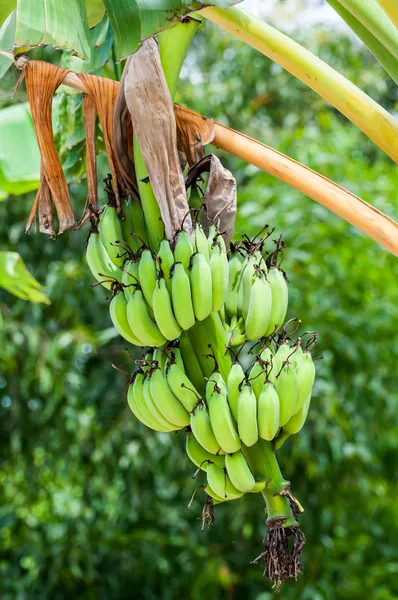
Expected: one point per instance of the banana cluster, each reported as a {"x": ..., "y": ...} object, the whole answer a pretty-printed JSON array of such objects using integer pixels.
[
  {"x": 160, "y": 295},
  {"x": 257, "y": 296}
]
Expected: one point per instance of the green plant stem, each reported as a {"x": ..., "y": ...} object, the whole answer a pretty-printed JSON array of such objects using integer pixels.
[
  {"x": 390, "y": 7},
  {"x": 264, "y": 465},
  {"x": 370, "y": 117},
  {"x": 173, "y": 46},
  {"x": 385, "y": 58},
  {"x": 375, "y": 20}
]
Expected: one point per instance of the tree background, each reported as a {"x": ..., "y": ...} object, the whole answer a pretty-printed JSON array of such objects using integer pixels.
[{"x": 93, "y": 504}]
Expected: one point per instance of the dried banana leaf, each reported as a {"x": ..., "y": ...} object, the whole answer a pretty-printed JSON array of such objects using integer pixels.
[
  {"x": 152, "y": 113},
  {"x": 193, "y": 132},
  {"x": 220, "y": 198},
  {"x": 42, "y": 79},
  {"x": 91, "y": 165},
  {"x": 104, "y": 92}
]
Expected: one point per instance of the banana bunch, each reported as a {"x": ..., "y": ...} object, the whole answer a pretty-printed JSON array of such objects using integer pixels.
[
  {"x": 158, "y": 295},
  {"x": 257, "y": 295}
]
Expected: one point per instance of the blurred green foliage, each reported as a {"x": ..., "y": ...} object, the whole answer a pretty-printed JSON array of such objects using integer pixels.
[{"x": 94, "y": 505}]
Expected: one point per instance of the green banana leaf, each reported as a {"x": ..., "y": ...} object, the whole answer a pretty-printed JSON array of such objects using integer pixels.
[
  {"x": 7, "y": 34},
  {"x": 66, "y": 24},
  {"x": 16, "y": 279},
  {"x": 19, "y": 152}
]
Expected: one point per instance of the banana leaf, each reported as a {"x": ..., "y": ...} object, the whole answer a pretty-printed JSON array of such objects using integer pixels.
[{"x": 16, "y": 279}]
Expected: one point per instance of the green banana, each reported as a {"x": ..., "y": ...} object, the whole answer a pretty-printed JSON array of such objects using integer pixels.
[
  {"x": 268, "y": 412},
  {"x": 213, "y": 232},
  {"x": 129, "y": 278},
  {"x": 221, "y": 421},
  {"x": 286, "y": 388},
  {"x": 234, "y": 270},
  {"x": 201, "y": 286},
  {"x": 280, "y": 298},
  {"x": 118, "y": 312},
  {"x": 259, "y": 311},
  {"x": 110, "y": 230},
  {"x": 199, "y": 241},
  {"x": 199, "y": 456},
  {"x": 128, "y": 228},
  {"x": 305, "y": 373},
  {"x": 281, "y": 355},
  {"x": 99, "y": 262},
  {"x": 181, "y": 386},
  {"x": 147, "y": 275},
  {"x": 176, "y": 356},
  {"x": 239, "y": 472},
  {"x": 136, "y": 410},
  {"x": 152, "y": 406},
  {"x": 163, "y": 311},
  {"x": 166, "y": 257},
  {"x": 296, "y": 422},
  {"x": 202, "y": 429},
  {"x": 210, "y": 492},
  {"x": 235, "y": 378},
  {"x": 191, "y": 363},
  {"x": 137, "y": 219},
  {"x": 247, "y": 415},
  {"x": 183, "y": 249},
  {"x": 137, "y": 391},
  {"x": 219, "y": 481},
  {"x": 219, "y": 276},
  {"x": 181, "y": 296},
  {"x": 245, "y": 285},
  {"x": 166, "y": 402},
  {"x": 141, "y": 323}
]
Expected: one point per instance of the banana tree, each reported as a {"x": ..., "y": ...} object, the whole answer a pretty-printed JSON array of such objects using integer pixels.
[{"x": 221, "y": 363}]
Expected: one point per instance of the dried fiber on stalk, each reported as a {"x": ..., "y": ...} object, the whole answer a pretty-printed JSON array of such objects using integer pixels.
[
  {"x": 91, "y": 167},
  {"x": 42, "y": 79}
]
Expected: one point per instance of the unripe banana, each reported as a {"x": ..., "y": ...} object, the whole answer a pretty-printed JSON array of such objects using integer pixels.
[
  {"x": 235, "y": 378},
  {"x": 239, "y": 472},
  {"x": 259, "y": 486},
  {"x": 219, "y": 276},
  {"x": 128, "y": 228},
  {"x": 183, "y": 250},
  {"x": 137, "y": 218},
  {"x": 166, "y": 257},
  {"x": 286, "y": 387},
  {"x": 280, "y": 298},
  {"x": 181, "y": 386},
  {"x": 137, "y": 392},
  {"x": 202, "y": 429},
  {"x": 220, "y": 482},
  {"x": 305, "y": 373},
  {"x": 99, "y": 262},
  {"x": 215, "y": 381},
  {"x": 199, "y": 456},
  {"x": 259, "y": 311},
  {"x": 129, "y": 278},
  {"x": 160, "y": 357},
  {"x": 281, "y": 355},
  {"x": 181, "y": 296},
  {"x": 211, "y": 236},
  {"x": 199, "y": 241},
  {"x": 147, "y": 275},
  {"x": 191, "y": 363},
  {"x": 247, "y": 415},
  {"x": 163, "y": 311},
  {"x": 136, "y": 410},
  {"x": 118, "y": 312},
  {"x": 201, "y": 287},
  {"x": 152, "y": 406},
  {"x": 221, "y": 421},
  {"x": 141, "y": 323},
  {"x": 176, "y": 356},
  {"x": 110, "y": 230},
  {"x": 268, "y": 412},
  {"x": 296, "y": 422},
  {"x": 166, "y": 402},
  {"x": 234, "y": 271},
  {"x": 210, "y": 492},
  {"x": 245, "y": 285}
]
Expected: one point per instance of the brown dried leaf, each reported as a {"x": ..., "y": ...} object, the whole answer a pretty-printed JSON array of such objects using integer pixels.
[
  {"x": 220, "y": 198},
  {"x": 91, "y": 165},
  {"x": 123, "y": 143},
  {"x": 42, "y": 79},
  {"x": 152, "y": 113},
  {"x": 104, "y": 92},
  {"x": 193, "y": 132}
]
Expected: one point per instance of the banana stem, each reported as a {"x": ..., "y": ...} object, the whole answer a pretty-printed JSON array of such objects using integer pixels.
[
  {"x": 365, "y": 113},
  {"x": 262, "y": 460},
  {"x": 173, "y": 46}
]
